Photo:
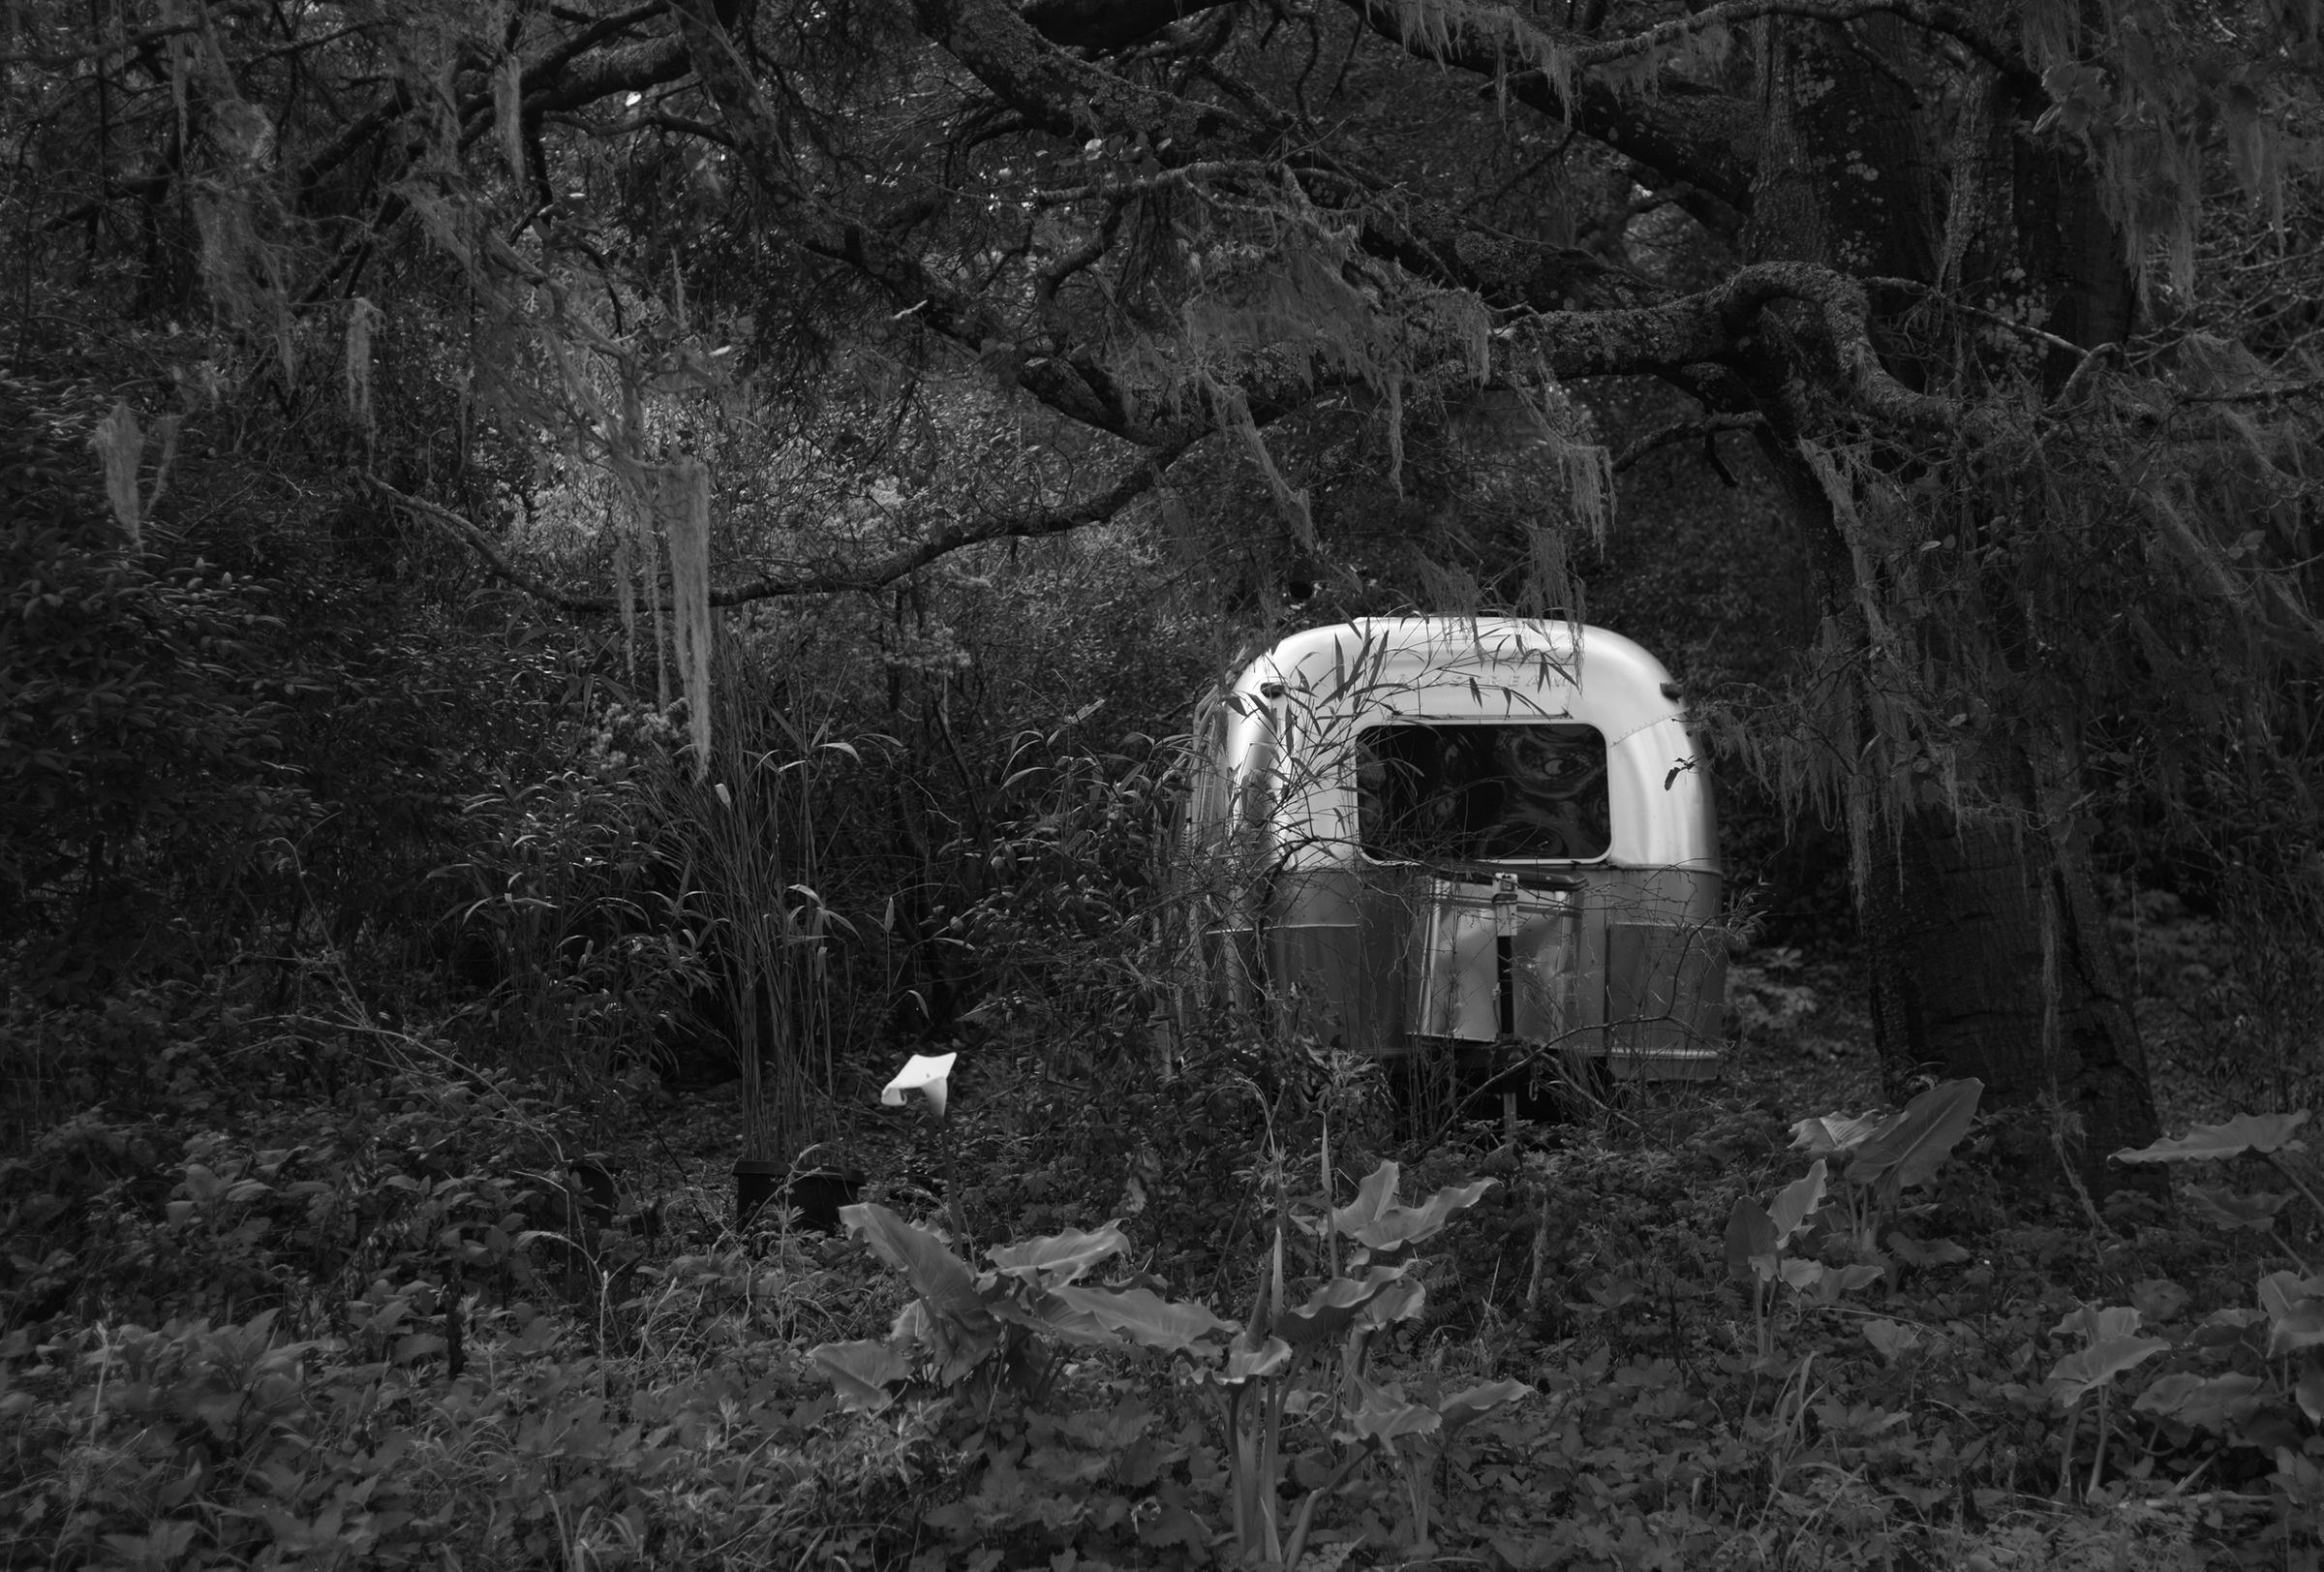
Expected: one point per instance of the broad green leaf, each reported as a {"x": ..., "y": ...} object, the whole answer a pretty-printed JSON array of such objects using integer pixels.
[
  {"x": 1796, "y": 1202},
  {"x": 1750, "y": 1234},
  {"x": 2300, "y": 1326},
  {"x": 1394, "y": 1228},
  {"x": 1907, "y": 1150},
  {"x": 2222, "y": 1208},
  {"x": 2093, "y": 1324},
  {"x": 1833, "y": 1135},
  {"x": 1892, "y": 1340},
  {"x": 2308, "y": 1390},
  {"x": 1146, "y": 1317},
  {"x": 2085, "y": 1368},
  {"x": 1059, "y": 1259},
  {"x": 2213, "y": 1404},
  {"x": 1462, "y": 1407},
  {"x": 1375, "y": 1195},
  {"x": 1173, "y": 1525},
  {"x": 861, "y": 1372},
  {"x": 2159, "y": 1299},
  {"x": 2280, "y": 1291},
  {"x": 1926, "y": 1252},
  {"x": 1247, "y": 1363},
  {"x": 2213, "y": 1143},
  {"x": 1386, "y": 1414},
  {"x": 1802, "y": 1275},
  {"x": 1857, "y": 1275},
  {"x": 1334, "y": 1307},
  {"x": 1056, "y": 1317},
  {"x": 958, "y": 1344},
  {"x": 936, "y": 1275},
  {"x": 1400, "y": 1300}
]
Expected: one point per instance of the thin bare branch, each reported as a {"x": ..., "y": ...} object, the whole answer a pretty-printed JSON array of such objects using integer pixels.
[
  {"x": 1137, "y": 482},
  {"x": 1679, "y": 431}
]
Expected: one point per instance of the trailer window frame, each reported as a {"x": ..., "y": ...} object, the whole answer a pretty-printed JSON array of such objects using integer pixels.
[{"x": 1484, "y": 817}]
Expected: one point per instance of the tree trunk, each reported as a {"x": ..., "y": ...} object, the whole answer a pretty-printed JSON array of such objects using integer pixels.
[{"x": 1988, "y": 956}]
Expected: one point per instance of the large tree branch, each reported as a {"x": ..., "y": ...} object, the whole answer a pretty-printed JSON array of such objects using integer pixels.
[
  {"x": 1056, "y": 91},
  {"x": 1930, "y": 17},
  {"x": 1074, "y": 383},
  {"x": 1107, "y": 25},
  {"x": 1707, "y": 427},
  {"x": 1716, "y": 325},
  {"x": 1705, "y": 139},
  {"x": 862, "y": 577}
]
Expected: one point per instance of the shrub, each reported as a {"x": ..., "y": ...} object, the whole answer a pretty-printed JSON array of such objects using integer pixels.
[{"x": 137, "y": 748}]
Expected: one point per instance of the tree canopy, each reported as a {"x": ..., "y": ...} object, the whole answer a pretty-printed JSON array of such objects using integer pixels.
[{"x": 1371, "y": 305}]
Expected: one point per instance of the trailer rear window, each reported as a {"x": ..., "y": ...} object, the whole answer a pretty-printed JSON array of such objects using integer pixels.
[{"x": 1534, "y": 791}]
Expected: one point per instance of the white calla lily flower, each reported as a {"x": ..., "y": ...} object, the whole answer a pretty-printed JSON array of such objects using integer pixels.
[{"x": 930, "y": 1076}]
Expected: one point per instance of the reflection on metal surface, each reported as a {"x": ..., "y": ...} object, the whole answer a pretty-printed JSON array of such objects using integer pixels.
[
  {"x": 1497, "y": 961},
  {"x": 1469, "y": 832}
]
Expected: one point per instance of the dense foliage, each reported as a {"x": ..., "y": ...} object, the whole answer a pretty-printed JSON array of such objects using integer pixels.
[{"x": 577, "y": 581}]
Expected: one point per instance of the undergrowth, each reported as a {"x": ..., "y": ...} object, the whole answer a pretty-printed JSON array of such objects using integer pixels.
[{"x": 390, "y": 1313}]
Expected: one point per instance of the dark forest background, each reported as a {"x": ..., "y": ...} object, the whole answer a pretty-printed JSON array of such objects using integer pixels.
[{"x": 582, "y": 580}]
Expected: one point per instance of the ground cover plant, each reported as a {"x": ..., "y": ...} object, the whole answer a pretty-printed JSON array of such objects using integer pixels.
[{"x": 395, "y": 1325}]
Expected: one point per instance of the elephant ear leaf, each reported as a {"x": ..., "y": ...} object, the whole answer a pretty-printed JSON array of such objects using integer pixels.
[
  {"x": 1332, "y": 1308},
  {"x": 1375, "y": 1195},
  {"x": 1059, "y": 1259},
  {"x": 1463, "y": 1407},
  {"x": 2214, "y": 1143},
  {"x": 2223, "y": 1207},
  {"x": 1395, "y": 1227},
  {"x": 2088, "y": 1369},
  {"x": 1750, "y": 1233},
  {"x": 936, "y": 1275},
  {"x": 1146, "y": 1317},
  {"x": 1907, "y": 1151},
  {"x": 1796, "y": 1203},
  {"x": 1834, "y": 1134},
  {"x": 1386, "y": 1414},
  {"x": 861, "y": 1372}
]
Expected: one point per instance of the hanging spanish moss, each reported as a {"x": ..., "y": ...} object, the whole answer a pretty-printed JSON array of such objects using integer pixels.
[
  {"x": 684, "y": 492},
  {"x": 120, "y": 443},
  {"x": 362, "y": 319}
]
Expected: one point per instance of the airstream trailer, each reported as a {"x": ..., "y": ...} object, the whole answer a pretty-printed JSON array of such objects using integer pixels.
[{"x": 1487, "y": 835}]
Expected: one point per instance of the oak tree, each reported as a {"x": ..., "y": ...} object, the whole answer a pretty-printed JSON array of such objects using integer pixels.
[{"x": 2013, "y": 303}]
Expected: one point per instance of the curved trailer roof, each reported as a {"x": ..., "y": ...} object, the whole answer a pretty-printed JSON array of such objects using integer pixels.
[{"x": 1293, "y": 712}]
